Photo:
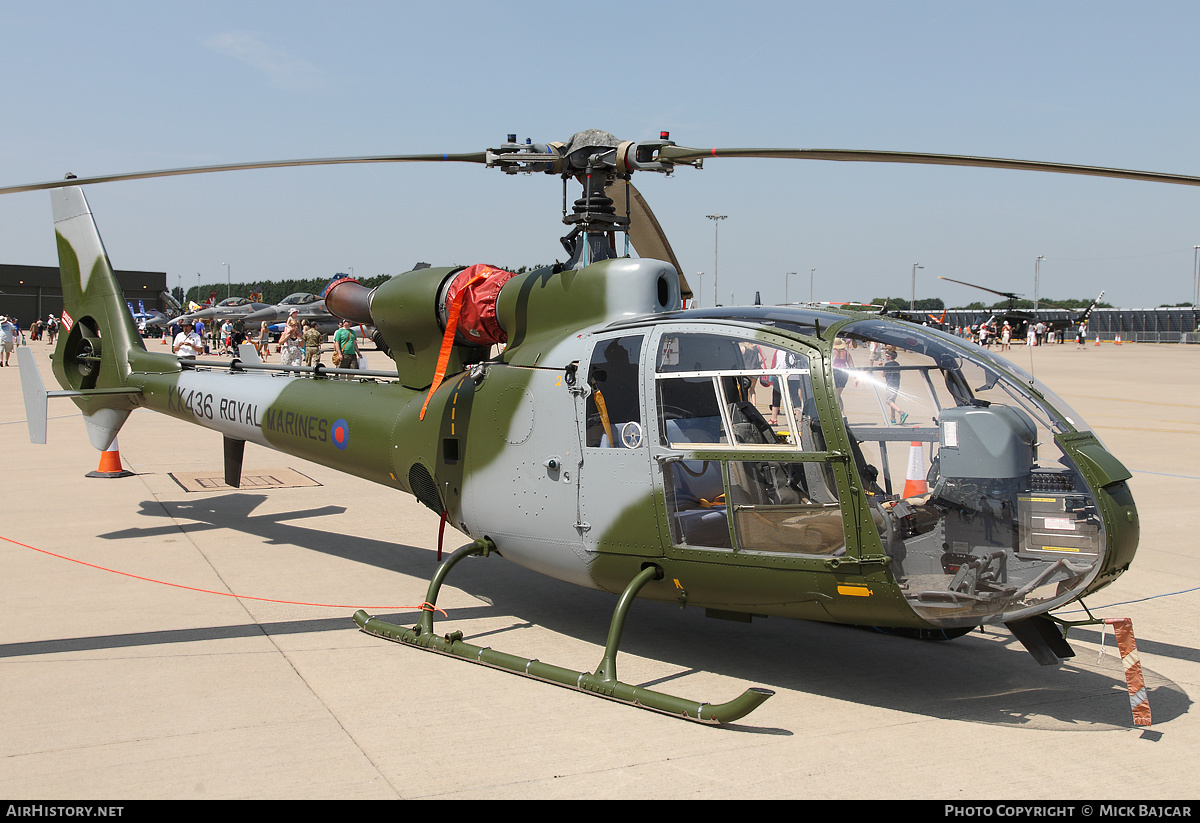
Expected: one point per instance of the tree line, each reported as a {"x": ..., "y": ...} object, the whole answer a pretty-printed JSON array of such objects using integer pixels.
[{"x": 274, "y": 291}]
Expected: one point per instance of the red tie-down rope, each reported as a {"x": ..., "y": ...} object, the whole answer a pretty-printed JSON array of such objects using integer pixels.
[{"x": 422, "y": 608}]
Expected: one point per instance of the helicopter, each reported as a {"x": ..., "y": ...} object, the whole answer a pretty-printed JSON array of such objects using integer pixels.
[
  {"x": 1020, "y": 320},
  {"x": 577, "y": 421}
]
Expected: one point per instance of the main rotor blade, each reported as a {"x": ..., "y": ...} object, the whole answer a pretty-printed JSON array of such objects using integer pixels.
[
  {"x": 1007, "y": 294},
  {"x": 475, "y": 157},
  {"x": 680, "y": 154},
  {"x": 1045, "y": 304},
  {"x": 645, "y": 233}
]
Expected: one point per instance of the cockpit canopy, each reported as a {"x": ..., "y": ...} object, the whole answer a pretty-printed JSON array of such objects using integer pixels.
[
  {"x": 299, "y": 299},
  {"x": 979, "y": 508}
]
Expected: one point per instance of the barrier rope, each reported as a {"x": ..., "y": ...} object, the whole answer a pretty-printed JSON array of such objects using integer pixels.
[{"x": 422, "y": 607}]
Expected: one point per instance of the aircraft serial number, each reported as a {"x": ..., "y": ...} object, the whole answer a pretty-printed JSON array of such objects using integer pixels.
[{"x": 205, "y": 406}]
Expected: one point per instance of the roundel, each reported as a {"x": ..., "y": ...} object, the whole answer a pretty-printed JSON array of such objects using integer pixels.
[{"x": 341, "y": 433}]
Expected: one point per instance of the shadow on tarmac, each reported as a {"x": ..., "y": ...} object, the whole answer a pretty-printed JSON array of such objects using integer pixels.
[{"x": 979, "y": 678}]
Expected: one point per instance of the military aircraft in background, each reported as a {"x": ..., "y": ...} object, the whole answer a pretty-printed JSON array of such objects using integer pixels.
[
  {"x": 231, "y": 308},
  {"x": 305, "y": 306},
  {"x": 1020, "y": 319}
]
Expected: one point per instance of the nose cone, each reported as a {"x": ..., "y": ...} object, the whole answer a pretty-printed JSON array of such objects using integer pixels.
[
  {"x": 270, "y": 314},
  {"x": 1107, "y": 477}
]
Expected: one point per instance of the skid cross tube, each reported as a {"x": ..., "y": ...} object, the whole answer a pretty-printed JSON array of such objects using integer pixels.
[{"x": 601, "y": 683}]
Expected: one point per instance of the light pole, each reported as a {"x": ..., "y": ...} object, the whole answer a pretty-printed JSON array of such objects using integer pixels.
[
  {"x": 811, "y": 274},
  {"x": 785, "y": 286},
  {"x": 716, "y": 218},
  {"x": 1037, "y": 273},
  {"x": 228, "y": 282},
  {"x": 912, "y": 302},
  {"x": 1196, "y": 276},
  {"x": 699, "y": 290}
]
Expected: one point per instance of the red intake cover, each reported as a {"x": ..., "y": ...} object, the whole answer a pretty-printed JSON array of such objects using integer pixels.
[{"x": 479, "y": 286}]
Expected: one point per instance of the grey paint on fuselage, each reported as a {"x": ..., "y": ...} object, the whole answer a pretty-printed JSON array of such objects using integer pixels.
[{"x": 233, "y": 404}]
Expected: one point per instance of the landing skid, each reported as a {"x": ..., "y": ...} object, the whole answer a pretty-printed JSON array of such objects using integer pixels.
[{"x": 601, "y": 683}]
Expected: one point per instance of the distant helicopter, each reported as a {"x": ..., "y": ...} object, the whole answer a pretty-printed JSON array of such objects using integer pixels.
[
  {"x": 1020, "y": 320},
  {"x": 617, "y": 441}
]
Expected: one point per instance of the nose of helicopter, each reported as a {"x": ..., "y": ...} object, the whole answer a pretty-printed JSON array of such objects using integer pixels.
[{"x": 1107, "y": 478}]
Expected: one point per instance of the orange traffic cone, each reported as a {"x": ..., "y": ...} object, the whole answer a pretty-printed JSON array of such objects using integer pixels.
[
  {"x": 110, "y": 464},
  {"x": 1097, "y": 338},
  {"x": 1118, "y": 340},
  {"x": 914, "y": 480}
]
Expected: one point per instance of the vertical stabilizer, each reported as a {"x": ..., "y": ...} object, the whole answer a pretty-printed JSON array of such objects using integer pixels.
[
  {"x": 89, "y": 287},
  {"x": 98, "y": 334}
]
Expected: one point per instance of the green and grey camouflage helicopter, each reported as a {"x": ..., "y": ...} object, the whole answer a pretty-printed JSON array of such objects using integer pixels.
[{"x": 907, "y": 480}]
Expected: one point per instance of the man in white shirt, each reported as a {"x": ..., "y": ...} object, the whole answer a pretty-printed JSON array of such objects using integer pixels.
[
  {"x": 8, "y": 340},
  {"x": 188, "y": 344}
]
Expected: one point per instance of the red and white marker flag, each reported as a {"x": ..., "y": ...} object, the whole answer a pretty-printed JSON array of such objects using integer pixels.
[{"x": 1139, "y": 701}]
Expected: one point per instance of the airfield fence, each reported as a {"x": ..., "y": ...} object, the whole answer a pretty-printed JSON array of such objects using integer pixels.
[{"x": 1160, "y": 325}]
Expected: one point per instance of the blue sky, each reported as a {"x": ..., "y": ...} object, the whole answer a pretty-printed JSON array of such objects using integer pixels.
[{"x": 106, "y": 87}]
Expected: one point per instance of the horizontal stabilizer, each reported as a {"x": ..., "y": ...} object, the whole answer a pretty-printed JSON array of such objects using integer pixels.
[{"x": 102, "y": 423}]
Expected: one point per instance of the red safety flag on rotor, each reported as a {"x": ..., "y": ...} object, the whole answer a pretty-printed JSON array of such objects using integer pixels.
[{"x": 471, "y": 309}]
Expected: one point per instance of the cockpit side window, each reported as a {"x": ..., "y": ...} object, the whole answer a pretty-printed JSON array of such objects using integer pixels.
[
  {"x": 723, "y": 391},
  {"x": 614, "y": 415},
  {"x": 744, "y": 398}
]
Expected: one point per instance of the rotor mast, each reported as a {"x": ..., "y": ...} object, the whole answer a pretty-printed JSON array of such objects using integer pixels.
[{"x": 596, "y": 160}]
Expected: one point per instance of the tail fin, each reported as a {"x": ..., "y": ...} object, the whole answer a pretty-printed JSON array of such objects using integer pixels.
[
  {"x": 98, "y": 335},
  {"x": 1087, "y": 313}
]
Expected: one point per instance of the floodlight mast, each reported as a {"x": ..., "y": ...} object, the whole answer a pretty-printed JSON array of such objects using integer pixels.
[
  {"x": 716, "y": 218},
  {"x": 1037, "y": 266}
]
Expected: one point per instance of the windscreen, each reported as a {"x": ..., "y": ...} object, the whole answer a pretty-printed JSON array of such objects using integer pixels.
[{"x": 981, "y": 512}]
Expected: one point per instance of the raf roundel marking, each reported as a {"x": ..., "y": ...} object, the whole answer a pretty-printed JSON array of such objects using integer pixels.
[{"x": 341, "y": 433}]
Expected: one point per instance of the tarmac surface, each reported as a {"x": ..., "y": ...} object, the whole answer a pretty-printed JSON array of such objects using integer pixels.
[{"x": 116, "y": 686}]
